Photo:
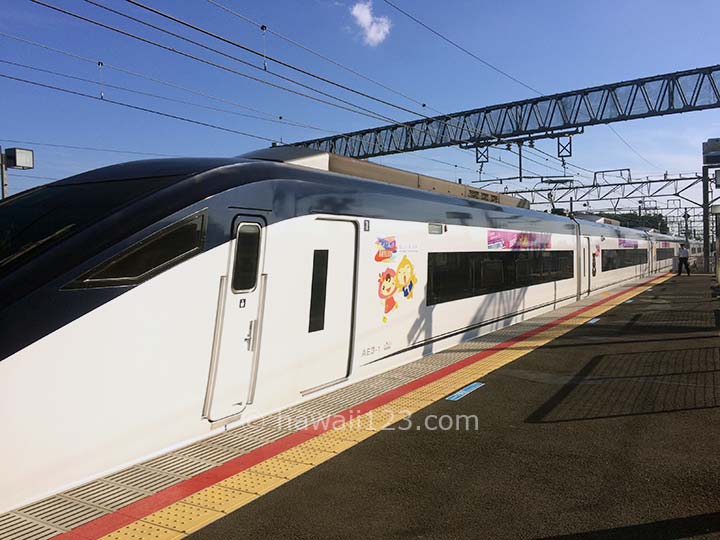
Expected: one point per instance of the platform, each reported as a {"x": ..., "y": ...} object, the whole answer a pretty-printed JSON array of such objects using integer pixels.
[{"x": 597, "y": 420}]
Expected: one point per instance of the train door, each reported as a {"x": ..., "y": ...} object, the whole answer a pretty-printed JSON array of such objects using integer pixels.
[
  {"x": 328, "y": 254},
  {"x": 235, "y": 349},
  {"x": 586, "y": 265}
]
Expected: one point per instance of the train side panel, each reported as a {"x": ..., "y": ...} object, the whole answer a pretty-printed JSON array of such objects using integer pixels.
[
  {"x": 122, "y": 382},
  {"x": 346, "y": 297}
]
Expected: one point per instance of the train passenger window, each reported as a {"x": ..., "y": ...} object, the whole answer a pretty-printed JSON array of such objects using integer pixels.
[
  {"x": 522, "y": 271},
  {"x": 157, "y": 253},
  {"x": 35, "y": 220},
  {"x": 457, "y": 275},
  {"x": 247, "y": 257},
  {"x": 453, "y": 276},
  {"x": 318, "y": 290},
  {"x": 564, "y": 261},
  {"x": 664, "y": 253},
  {"x": 613, "y": 259},
  {"x": 491, "y": 274}
]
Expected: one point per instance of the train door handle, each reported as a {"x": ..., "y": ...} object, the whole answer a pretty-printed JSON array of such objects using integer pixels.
[{"x": 250, "y": 338}]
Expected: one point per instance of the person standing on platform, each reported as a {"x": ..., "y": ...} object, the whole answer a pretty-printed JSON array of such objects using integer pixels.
[{"x": 683, "y": 260}]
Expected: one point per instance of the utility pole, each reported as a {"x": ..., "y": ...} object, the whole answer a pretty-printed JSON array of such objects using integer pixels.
[
  {"x": 717, "y": 247},
  {"x": 520, "y": 171},
  {"x": 711, "y": 160},
  {"x": 3, "y": 176},
  {"x": 715, "y": 211},
  {"x": 706, "y": 215}
]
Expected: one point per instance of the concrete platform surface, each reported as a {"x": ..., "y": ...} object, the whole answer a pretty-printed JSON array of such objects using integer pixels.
[{"x": 609, "y": 431}]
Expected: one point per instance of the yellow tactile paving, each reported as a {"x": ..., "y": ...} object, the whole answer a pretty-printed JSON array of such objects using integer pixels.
[
  {"x": 348, "y": 432},
  {"x": 141, "y": 530},
  {"x": 403, "y": 407},
  {"x": 250, "y": 482},
  {"x": 183, "y": 517},
  {"x": 378, "y": 419},
  {"x": 330, "y": 444},
  {"x": 441, "y": 386},
  {"x": 427, "y": 392},
  {"x": 220, "y": 499},
  {"x": 280, "y": 468},
  {"x": 211, "y": 503},
  {"x": 304, "y": 453}
]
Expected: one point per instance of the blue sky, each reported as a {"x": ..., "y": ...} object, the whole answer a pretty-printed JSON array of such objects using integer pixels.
[{"x": 555, "y": 45}]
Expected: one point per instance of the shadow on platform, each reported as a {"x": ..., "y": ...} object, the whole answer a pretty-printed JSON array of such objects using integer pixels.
[
  {"x": 669, "y": 529},
  {"x": 627, "y": 384}
]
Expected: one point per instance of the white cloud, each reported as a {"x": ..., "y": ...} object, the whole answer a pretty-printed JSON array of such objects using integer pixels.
[{"x": 375, "y": 29}]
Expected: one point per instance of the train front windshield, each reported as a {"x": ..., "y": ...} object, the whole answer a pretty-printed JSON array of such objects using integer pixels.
[{"x": 34, "y": 221}]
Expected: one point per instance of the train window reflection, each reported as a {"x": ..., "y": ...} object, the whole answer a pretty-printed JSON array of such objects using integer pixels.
[
  {"x": 35, "y": 220},
  {"x": 622, "y": 258},
  {"x": 457, "y": 275},
  {"x": 150, "y": 256},
  {"x": 247, "y": 255}
]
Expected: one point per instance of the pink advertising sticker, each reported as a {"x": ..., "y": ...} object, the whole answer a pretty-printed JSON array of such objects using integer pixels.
[
  {"x": 501, "y": 239},
  {"x": 624, "y": 242}
]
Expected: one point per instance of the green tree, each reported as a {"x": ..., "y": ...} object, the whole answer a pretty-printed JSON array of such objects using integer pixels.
[{"x": 632, "y": 219}]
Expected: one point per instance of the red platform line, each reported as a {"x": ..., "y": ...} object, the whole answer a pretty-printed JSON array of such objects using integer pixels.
[{"x": 103, "y": 525}]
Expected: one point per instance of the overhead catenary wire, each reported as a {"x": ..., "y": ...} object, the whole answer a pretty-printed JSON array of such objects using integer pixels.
[
  {"x": 372, "y": 113},
  {"x": 460, "y": 47},
  {"x": 247, "y": 19},
  {"x": 170, "y": 49},
  {"x": 189, "y": 25},
  {"x": 525, "y": 157},
  {"x": 320, "y": 55},
  {"x": 143, "y": 76},
  {"x": 35, "y": 143},
  {"x": 362, "y": 111},
  {"x": 498, "y": 70},
  {"x": 354, "y": 72},
  {"x": 33, "y": 176},
  {"x": 352, "y": 108},
  {"x": 88, "y": 148},
  {"x": 342, "y": 66},
  {"x": 631, "y": 147},
  {"x": 156, "y": 96},
  {"x": 234, "y": 58},
  {"x": 454, "y": 166},
  {"x": 300, "y": 70},
  {"x": 137, "y": 108},
  {"x": 266, "y": 57},
  {"x": 334, "y": 62},
  {"x": 574, "y": 166},
  {"x": 280, "y": 62},
  {"x": 506, "y": 164},
  {"x": 248, "y": 49},
  {"x": 153, "y": 79}
]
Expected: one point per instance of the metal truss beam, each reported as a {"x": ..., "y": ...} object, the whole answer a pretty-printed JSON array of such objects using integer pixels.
[
  {"x": 670, "y": 93},
  {"x": 616, "y": 192}
]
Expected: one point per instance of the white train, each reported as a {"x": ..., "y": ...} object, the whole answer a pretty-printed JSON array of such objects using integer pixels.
[{"x": 148, "y": 305}]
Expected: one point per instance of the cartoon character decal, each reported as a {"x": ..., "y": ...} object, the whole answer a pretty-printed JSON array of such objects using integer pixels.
[
  {"x": 387, "y": 288},
  {"x": 386, "y": 248},
  {"x": 406, "y": 277},
  {"x": 394, "y": 279}
]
